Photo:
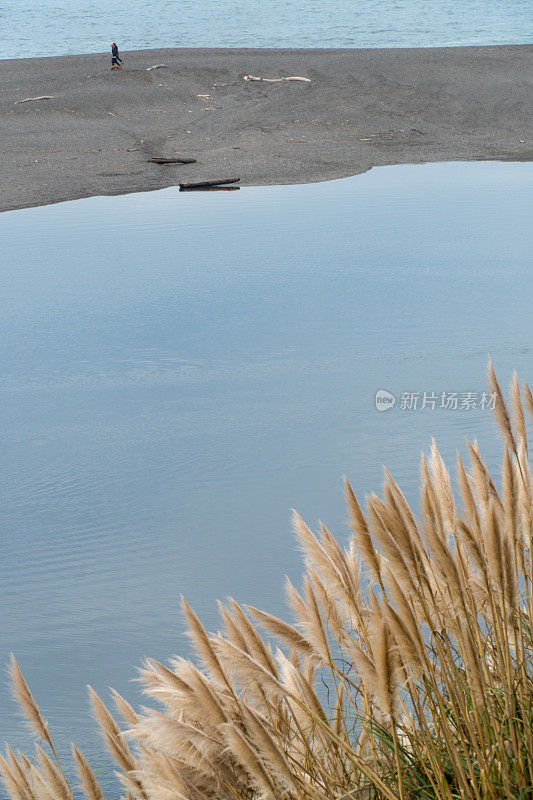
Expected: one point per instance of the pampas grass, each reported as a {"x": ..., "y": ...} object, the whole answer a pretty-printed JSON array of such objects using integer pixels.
[
  {"x": 406, "y": 672},
  {"x": 89, "y": 783}
]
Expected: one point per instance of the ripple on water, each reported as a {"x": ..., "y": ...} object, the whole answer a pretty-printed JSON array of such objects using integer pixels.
[
  {"x": 30, "y": 27},
  {"x": 164, "y": 409}
]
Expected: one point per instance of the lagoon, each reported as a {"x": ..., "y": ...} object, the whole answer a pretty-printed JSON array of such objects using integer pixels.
[{"x": 179, "y": 370}]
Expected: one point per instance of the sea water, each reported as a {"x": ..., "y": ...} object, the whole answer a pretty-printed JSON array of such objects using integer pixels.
[{"x": 60, "y": 27}]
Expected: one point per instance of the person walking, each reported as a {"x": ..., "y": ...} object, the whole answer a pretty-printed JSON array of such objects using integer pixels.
[{"x": 116, "y": 61}]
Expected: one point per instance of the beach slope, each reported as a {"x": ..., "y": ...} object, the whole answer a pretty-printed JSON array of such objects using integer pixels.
[{"x": 361, "y": 108}]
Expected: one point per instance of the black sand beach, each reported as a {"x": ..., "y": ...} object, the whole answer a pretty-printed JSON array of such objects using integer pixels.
[{"x": 362, "y": 108}]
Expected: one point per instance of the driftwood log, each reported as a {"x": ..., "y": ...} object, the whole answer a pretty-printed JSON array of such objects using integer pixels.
[
  {"x": 171, "y": 160},
  {"x": 208, "y": 184},
  {"x": 227, "y": 188},
  {"x": 277, "y": 80},
  {"x": 157, "y": 66},
  {"x": 33, "y": 99}
]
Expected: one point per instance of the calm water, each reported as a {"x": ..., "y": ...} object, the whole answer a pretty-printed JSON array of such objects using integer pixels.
[
  {"x": 179, "y": 370},
  {"x": 57, "y": 27}
]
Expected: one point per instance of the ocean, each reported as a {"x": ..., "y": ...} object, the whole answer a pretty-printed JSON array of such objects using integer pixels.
[{"x": 61, "y": 27}]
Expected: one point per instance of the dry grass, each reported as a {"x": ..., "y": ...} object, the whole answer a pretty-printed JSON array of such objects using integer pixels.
[{"x": 421, "y": 630}]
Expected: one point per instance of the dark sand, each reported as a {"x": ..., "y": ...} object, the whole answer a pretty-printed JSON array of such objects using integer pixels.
[{"x": 363, "y": 108}]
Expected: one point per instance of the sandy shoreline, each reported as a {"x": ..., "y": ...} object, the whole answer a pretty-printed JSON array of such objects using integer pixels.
[{"x": 363, "y": 108}]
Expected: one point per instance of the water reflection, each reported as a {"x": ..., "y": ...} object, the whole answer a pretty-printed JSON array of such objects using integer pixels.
[{"x": 179, "y": 370}]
